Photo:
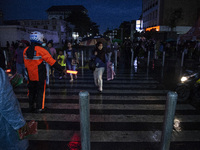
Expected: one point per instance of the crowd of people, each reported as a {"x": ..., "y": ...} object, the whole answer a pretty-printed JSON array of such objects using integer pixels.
[
  {"x": 30, "y": 58},
  {"x": 37, "y": 60},
  {"x": 13, "y": 54},
  {"x": 172, "y": 48},
  {"x": 32, "y": 61}
]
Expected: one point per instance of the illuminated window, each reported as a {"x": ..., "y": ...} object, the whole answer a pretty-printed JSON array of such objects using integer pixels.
[{"x": 157, "y": 28}]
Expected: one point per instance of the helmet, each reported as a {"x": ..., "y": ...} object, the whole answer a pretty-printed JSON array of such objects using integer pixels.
[{"x": 36, "y": 37}]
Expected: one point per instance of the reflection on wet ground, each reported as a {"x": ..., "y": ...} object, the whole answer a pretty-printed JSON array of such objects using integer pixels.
[{"x": 127, "y": 115}]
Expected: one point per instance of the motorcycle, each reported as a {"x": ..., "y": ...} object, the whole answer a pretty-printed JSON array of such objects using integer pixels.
[{"x": 189, "y": 86}]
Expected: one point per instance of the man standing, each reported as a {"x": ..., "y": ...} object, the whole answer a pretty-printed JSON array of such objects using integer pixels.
[{"x": 35, "y": 57}]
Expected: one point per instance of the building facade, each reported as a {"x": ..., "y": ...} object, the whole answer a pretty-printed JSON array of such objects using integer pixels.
[
  {"x": 62, "y": 12},
  {"x": 170, "y": 15},
  {"x": 1, "y": 17},
  {"x": 63, "y": 28},
  {"x": 16, "y": 33}
]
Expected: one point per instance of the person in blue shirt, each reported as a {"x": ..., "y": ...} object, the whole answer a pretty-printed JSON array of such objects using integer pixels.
[{"x": 11, "y": 118}]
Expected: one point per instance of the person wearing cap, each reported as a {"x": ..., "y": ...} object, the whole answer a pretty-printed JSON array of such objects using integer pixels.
[{"x": 35, "y": 57}]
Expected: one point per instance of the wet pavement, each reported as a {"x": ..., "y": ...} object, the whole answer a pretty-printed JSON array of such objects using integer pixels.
[{"x": 127, "y": 115}]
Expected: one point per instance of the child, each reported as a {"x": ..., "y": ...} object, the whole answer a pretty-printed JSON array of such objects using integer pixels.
[{"x": 61, "y": 61}]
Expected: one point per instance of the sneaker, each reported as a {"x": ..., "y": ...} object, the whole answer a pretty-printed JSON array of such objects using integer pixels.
[
  {"x": 71, "y": 80},
  {"x": 100, "y": 91},
  {"x": 41, "y": 110}
]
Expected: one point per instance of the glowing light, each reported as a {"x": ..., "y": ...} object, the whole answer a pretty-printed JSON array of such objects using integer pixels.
[
  {"x": 75, "y": 35},
  {"x": 75, "y": 143},
  {"x": 8, "y": 70},
  {"x": 71, "y": 71},
  {"x": 183, "y": 79},
  {"x": 157, "y": 28},
  {"x": 139, "y": 25}
]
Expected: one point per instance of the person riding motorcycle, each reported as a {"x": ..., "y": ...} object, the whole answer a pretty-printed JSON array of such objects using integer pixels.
[
  {"x": 189, "y": 87},
  {"x": 35, "y": 57}
]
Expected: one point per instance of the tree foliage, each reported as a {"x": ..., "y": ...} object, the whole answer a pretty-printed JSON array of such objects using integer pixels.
[
  {"x": 82, "y": 23},
  {"x": 174, "y": 17}
]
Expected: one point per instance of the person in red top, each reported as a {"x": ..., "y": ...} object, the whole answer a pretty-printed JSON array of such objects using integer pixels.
[{"x": 35, "y": 59}]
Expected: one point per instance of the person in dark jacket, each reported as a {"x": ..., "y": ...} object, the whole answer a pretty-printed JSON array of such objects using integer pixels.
[
  {"x": 100, "y": 59},
  {"x": 2, "y": 59}
]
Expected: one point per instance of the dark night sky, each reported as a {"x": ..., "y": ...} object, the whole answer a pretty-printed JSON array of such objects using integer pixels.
[{"x": 106, "y": 13}]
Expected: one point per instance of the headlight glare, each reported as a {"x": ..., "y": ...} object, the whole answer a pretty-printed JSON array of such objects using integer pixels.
[{"x": 183, "y": 79}]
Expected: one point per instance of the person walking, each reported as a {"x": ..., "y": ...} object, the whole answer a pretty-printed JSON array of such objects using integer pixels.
[
  {"x": 71, "y": 59},
  {"x": 44, "y": 45},
  {"x": 61, "y": 61},
  {"x": 100, "y": 57},
  {"x": 35, "y": 57},
  {"x": 53, "y": 54},
  {"x": 11, "y": 118},
  {"x": 19, "y": 59}
]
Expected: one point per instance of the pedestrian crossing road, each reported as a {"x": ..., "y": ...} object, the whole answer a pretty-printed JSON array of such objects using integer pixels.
[{"x": 128, "y": 115}]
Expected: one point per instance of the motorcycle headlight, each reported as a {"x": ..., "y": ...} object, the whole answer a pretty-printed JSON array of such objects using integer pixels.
[{"x": 183, "y": 79}]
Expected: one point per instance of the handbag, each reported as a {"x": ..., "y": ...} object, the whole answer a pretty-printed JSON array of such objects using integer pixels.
[{"x": 92, "y": 64}]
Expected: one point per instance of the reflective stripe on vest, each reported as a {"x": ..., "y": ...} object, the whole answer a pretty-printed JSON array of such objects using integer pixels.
[{"x": 34, "y": 58}]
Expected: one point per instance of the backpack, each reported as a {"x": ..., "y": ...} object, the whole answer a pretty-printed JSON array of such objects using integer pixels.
[{"x": 92, "y": 64}]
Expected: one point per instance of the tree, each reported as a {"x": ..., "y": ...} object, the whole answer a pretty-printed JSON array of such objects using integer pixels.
[
  {"x": 83, "y": 23},
  {"x": 174, "y": 17},
  {"x": 126, "y": 25}
]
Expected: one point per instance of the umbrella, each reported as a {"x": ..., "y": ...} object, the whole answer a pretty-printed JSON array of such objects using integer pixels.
[
  {"x": 117, "y": 40},
  {"x": 92, "y": 42},
  {"x": 101, "y": 40}
]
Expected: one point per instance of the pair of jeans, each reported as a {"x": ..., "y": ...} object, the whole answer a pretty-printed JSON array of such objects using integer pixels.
[
  {"x": 70, "y": 66},
  {"x": 98, "y": 77},
  {"x": 21, "y": 70}
]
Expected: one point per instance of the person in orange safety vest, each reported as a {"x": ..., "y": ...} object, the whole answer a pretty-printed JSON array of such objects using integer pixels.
[{"x": 35, "y": 59}]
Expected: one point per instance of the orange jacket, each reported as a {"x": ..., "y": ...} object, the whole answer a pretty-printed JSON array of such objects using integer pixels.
[{"x": 36, "y": 66}]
